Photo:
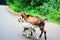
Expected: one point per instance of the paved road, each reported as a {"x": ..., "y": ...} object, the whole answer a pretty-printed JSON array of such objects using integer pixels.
[{"x": 10, "y": 28}]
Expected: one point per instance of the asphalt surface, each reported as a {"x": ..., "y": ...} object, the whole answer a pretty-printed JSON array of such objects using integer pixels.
[{"x": 10, "y": 28}]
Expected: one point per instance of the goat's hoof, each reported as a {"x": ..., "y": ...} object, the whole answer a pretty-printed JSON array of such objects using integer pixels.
[
  {"x": 40, "y": 36},
  {"x": 26, "y": 36},
  {"x": 45, "y": 38}
]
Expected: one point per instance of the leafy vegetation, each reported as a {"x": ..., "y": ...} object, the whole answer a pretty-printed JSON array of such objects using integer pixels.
[{"x": 49, "y": 9}]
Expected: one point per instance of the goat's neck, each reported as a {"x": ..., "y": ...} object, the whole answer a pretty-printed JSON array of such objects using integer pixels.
[{"x": 25, "y": 17}]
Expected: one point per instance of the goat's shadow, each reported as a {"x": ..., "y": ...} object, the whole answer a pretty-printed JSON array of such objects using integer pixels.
[
  {"x": 33, "y": 38},
  {"x": 30, "y": 38}
]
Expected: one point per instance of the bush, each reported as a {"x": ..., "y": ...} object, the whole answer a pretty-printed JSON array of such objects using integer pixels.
[{"x": 49, "y": 9}]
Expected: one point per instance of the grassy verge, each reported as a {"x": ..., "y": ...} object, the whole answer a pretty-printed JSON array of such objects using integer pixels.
[{"x": 52, "y": 15}]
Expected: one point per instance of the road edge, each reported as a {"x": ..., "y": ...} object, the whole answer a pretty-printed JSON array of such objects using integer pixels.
[{"x": 13, "y": 12}]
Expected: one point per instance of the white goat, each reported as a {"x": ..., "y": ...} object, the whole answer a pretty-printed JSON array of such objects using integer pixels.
[{"x": 30, "y": 28}]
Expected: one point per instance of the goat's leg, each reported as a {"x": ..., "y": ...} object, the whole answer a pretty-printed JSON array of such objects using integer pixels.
[
  {"x": 25, "y": 29},
  {"x": 24, "y": 34},
  {"x": 41, "y": 32},
  {"x": 45, "y": 34}
]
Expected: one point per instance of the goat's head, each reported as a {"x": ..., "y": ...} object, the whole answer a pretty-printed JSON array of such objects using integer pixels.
[
  {"x": 20, "y": 19},
  {"x": 23, "y": 14}
]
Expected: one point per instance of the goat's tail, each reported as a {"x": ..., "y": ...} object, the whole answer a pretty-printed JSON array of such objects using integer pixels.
[{"x": 46, "y": 19}]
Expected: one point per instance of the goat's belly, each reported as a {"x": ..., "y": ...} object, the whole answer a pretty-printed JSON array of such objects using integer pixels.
[{"x": 27, "y": 25}]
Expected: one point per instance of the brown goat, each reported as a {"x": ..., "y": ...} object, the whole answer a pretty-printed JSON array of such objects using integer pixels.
[{"x": 35, "y": 21}]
